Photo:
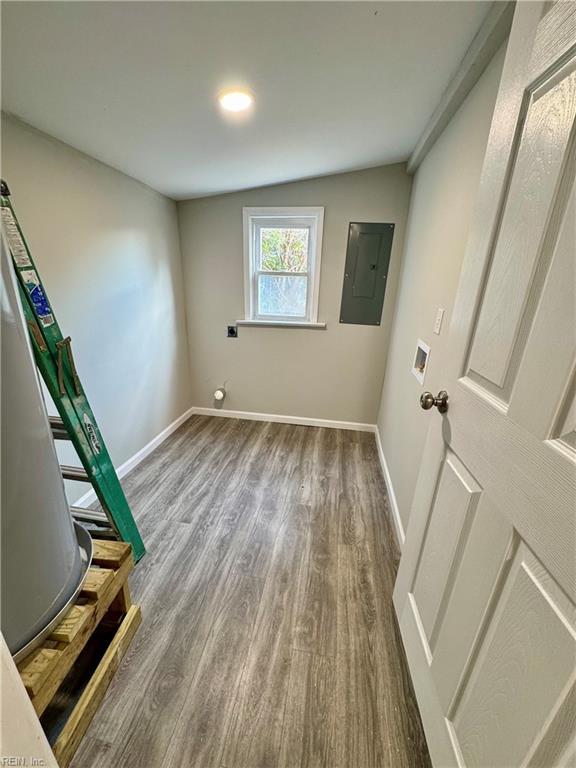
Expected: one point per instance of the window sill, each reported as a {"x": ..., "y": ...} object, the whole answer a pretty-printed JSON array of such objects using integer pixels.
[{"x": 281, "y": 324}]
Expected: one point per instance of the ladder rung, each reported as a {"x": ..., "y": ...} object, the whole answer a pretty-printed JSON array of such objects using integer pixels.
[
  {"x": 59, "y": 431},
  {"x": 74, "y": 473},
  {"x": 90, "y": 516}
]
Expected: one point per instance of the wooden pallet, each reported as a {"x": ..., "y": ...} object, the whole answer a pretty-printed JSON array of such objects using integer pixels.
[{"x": 104, "y": 596}]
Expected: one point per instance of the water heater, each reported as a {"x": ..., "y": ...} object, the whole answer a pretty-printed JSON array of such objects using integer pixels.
[{"x": 43, "y": 556}]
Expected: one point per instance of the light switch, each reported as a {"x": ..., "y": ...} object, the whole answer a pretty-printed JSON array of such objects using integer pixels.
[{"x": 438, "y": 321}]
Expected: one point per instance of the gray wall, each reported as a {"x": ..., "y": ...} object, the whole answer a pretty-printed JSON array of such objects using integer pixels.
[
  {"x": 443, "y": 197},
  {"x": 332, "y": 374},
  {"x": 107, "y": 249}
]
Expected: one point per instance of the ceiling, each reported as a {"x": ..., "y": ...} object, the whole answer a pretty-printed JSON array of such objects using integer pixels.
[{"x": 338, "y": 85}]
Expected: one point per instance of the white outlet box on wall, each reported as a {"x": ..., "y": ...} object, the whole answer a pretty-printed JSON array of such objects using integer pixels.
[{"x": 421, "y": 360}]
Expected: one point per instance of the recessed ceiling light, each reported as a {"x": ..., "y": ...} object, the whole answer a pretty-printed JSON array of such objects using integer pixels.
[{"x": 235, "y": 101}]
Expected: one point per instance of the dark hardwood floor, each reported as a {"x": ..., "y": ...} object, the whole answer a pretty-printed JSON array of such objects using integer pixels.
[{"x": 268, "y": 636}]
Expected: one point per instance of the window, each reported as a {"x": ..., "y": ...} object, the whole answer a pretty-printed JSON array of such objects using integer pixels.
[{"x": 282, "y": 248}]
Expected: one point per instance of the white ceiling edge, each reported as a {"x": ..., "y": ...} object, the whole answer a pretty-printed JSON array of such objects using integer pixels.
[
  {"x": 17, "y": 120},
  {"x": 11, "y": 117},
  {"x": 490, "y": 37},
  {"x": 291, "y": 179}
]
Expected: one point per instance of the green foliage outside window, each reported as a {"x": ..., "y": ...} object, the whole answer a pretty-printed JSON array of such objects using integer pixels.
[{"x": 283, "y": 249}]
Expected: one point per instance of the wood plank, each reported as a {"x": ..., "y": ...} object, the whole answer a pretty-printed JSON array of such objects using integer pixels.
[
  {"x": 84, "y": 711},
  {"x": 71, "y": 624},
  {"x": 309, "y": 736},
  {"x": 316, "y": 597},
  {"x": 256, "y": 722},
  {"x": 36, "y": 668},
  {"x": 352, "y": 518},
  {"x": 377, "y": 721},
  {"x": 96, "y": 582},
  {"x": 254, "y": 558},
  {"x": 360, "y": 735},
  {"x": 198, "y": 737},
  {"x": 110, "y": 554}
]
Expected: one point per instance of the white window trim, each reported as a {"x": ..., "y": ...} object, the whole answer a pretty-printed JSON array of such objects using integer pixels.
[{"x": 312, "y": 217}]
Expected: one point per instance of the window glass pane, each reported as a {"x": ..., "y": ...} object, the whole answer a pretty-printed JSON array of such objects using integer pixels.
[
  {"x": 283, "y": 249},
  {"x": 282, "y": 295}
]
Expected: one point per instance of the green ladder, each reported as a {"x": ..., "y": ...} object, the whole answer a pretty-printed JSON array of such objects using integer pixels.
[{"x": 55, "y": 362}]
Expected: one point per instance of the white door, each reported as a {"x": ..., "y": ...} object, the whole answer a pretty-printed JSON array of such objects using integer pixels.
[{"x": 486, "y": 589}]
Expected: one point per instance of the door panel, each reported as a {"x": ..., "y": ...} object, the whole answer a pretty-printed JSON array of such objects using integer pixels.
[
  {"x": 545, "y": 155},
  {"x": 547, "y": 383},
  {"x": 517, "y": 682},
  {"x": 457, "y": 495},
  {"x": 486, "y": 589},
  {"x": 485, "y": 562}
]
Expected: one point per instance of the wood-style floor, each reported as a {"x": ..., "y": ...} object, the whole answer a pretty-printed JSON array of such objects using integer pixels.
[{"x": 268, "y": 635}]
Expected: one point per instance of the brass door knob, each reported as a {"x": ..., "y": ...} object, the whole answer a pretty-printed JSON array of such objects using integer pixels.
[{"x": 427, "y": 401}]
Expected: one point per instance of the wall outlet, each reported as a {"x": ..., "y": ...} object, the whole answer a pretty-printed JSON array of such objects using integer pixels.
[
  {"x": 232, "y": 332},
  {"x": 438, "y": 321}
]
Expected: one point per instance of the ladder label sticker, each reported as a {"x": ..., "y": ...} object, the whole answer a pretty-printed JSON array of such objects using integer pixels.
[
  {"x": 37, "y": 295},
  {"x": 15, "y": 242},
  {"x": 93, "y": 437}
]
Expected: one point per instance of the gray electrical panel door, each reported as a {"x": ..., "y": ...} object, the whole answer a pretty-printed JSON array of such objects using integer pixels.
[{"x": 366, "y": 272}]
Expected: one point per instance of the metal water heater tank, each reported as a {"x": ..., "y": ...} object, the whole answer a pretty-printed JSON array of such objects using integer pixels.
[{"x": 43, "y": 564}]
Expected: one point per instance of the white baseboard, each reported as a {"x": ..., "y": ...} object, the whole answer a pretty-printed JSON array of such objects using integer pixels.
[
  {"x": 85, "y": 500},
  {"x": 133, "y": 461},
  {"x": 301, "y": 420},
  {"x": 396, "y": 519}
]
